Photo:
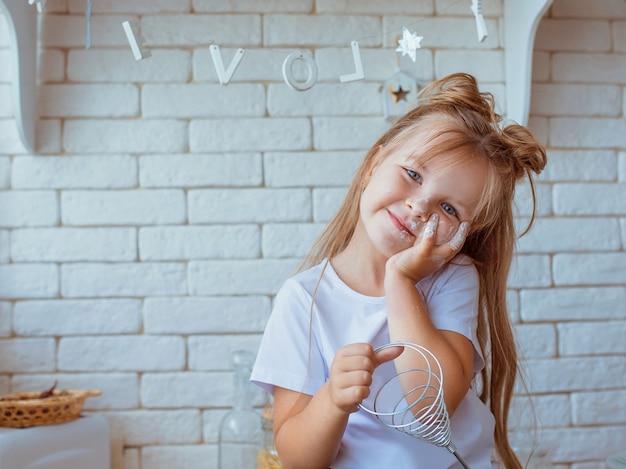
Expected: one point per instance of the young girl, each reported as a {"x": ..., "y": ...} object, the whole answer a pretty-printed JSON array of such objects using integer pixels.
[{"x": 418, "y": 253}]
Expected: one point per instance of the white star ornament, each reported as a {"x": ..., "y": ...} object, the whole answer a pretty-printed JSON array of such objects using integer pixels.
[{"x": 409, "y": 43}]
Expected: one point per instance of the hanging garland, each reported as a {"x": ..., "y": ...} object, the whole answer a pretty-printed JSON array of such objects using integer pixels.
[
  {"x": 407, "y": 45},
  {"x": 399, "y": 87}
]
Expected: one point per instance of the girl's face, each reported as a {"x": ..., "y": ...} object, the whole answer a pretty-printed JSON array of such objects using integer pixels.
[{"x": 402, "y": 194}]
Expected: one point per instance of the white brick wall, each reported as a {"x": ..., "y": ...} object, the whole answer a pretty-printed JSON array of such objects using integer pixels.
[{"x": 146, "y": 237}]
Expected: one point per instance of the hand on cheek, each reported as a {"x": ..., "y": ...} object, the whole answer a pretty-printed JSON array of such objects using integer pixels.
[
  {"x": 425, "y": 256},
  {"x": 457, "y": 241}
]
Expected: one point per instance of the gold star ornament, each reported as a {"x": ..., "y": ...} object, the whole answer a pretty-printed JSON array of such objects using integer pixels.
[{"x": 400, "y": 94}]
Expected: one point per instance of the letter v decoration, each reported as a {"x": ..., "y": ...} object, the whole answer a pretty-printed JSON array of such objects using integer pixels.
[{"x": 224, "y": 76}]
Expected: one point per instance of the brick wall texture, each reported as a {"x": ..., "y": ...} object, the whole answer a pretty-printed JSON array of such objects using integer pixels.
[{"x": 145, "y": 238}]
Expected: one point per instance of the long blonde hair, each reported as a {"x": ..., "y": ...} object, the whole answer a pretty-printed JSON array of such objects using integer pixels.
[{"x": 513, "y": 153}]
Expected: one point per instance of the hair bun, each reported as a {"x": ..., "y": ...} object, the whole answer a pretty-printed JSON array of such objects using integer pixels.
[
  {"x": 525, "y": 152},
  {"x": 460, "y": 90}
]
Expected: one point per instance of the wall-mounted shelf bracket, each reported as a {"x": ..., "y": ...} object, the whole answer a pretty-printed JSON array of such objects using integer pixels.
[
  {"x": 521, "y": 18},
  {"x": 22, "y": 22}
]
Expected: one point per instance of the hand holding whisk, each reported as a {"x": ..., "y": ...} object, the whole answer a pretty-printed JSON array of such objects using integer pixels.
[{"x": 415, "y": 406}]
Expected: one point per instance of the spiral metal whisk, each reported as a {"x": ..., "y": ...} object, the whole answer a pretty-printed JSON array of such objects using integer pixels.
[{"x": 420, "y": 411}]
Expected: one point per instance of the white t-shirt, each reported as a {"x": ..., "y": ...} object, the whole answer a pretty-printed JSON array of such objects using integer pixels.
[{"x": 300, "y": 342}]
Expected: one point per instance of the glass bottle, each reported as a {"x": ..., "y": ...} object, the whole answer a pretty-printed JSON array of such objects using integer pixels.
[
  {"x": 241, "y": 432},
  {"x": 268, "y": 457}
]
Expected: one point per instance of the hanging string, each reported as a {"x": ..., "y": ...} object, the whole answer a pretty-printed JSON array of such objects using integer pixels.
[
  {"x": 88, "y": 15},
  {"x": 189, "y": 39},
  {"x": 407, "y": 45},
  {"x": 412, "y": 25},
  {"x": 390, "y": 33}
]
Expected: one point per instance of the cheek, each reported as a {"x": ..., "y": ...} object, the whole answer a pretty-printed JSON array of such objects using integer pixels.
[
  {"x": 365, "y": 199},
  {"x": 377, "y": 193},
  {"x": 445, "y": 231}
]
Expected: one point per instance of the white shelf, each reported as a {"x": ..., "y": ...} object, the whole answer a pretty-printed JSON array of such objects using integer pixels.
[
  {"x": 22, "y": 21},
  {"x": 521, "y": 18}
]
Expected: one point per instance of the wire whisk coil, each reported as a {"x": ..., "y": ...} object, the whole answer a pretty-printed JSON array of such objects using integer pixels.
[{"x": 418, "y": 410}]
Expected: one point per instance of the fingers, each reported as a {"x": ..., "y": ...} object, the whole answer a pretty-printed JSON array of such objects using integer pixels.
[
  {"x": 387, "y": 354},
  {"x": 351, "y": 375},
  {"x": 355, "y": 357},
  {"x": 425, "y": 243},
  {"x": 456, "y": 243},
  {"x": 430, "y": 229}
]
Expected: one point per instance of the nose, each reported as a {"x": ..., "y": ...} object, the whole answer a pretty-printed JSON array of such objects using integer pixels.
[{"x": 420, "y": 207}]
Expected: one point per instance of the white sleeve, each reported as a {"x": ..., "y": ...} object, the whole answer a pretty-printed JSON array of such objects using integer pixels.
[{"x": 289, "y": 356}]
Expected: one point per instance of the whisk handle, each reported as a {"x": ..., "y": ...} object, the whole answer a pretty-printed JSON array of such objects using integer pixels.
[{"x": 452, "y": 449}]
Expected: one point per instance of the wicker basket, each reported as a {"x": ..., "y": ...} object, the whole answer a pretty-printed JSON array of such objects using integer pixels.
[{"x": 27, "y": 409}]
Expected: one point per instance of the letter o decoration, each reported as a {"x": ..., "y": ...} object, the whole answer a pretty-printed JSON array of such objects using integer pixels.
[{"x": 288, "y": 72}]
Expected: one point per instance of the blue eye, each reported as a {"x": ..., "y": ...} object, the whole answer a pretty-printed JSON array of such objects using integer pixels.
[
  {"x": 414, "y": 175},
  {"x": 449, "y": 209}
]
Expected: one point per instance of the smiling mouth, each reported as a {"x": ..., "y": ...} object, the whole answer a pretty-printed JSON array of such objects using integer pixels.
[{"x": 399, "y": 224}]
